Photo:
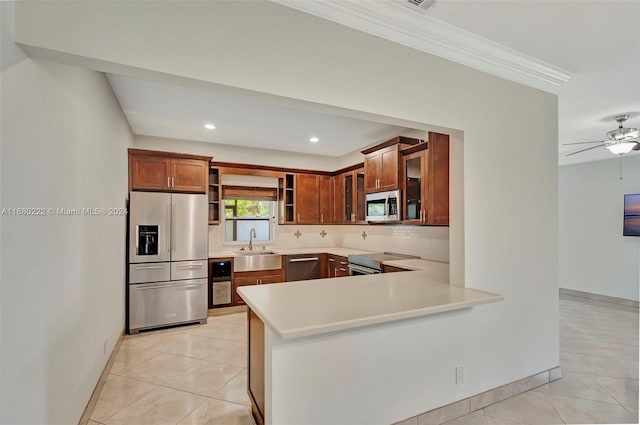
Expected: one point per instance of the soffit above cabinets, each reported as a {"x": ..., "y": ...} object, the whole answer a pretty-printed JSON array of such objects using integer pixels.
[{"x": 168, "y": 111}]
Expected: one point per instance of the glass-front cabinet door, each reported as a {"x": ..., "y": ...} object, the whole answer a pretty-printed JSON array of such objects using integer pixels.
[
  {"x": 348, "y": 217},
  {"x": 415, "y": 187},
  {"x": 353, "y": 197},
  {"x": 359, "y": 201}
]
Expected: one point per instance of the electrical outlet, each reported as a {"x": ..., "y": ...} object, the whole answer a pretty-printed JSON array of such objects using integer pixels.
[
  {"x": 106, "y": 346},
  {"x": 459, "y": 374}
]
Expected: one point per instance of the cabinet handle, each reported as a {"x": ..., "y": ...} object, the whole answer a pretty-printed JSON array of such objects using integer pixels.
[
  {"x": 335, "y": 271},
  {"x": 168, "y": 181},
  {"x": 298, "y": 216},
  {"x": 173, "y": 182},
  {"x": 331, "y": 259},
  {"x": 421, "y": 212},
  {"x": 321, "y": 218}
]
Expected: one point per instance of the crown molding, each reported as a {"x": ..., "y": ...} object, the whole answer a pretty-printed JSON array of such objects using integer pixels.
[{"x": 397, "y": 22}]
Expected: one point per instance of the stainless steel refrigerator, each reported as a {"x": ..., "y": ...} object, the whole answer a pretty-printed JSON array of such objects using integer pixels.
[{"x": 167, "y": 259}]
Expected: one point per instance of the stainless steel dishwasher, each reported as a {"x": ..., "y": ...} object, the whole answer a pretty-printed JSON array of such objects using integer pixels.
[{"x": 303, "y": 267}]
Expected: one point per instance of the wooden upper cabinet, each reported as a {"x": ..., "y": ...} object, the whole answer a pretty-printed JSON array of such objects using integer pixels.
[
  {"x": 307, "y": 199},
  {"x": 372, "y": 167},
  {"x": 328, "y": 200},
  {"x": 389, "y": 160},
  {"x": 438, "y": 201},
  {"x": 381, "y": 169},
  {"x": 149, "y": 173},
  {"x": 382, "y": 164},
  {"x": 167, "y": 171},
  {"x": 425, "y": 182},
  {"x": 189, "y": 175}
]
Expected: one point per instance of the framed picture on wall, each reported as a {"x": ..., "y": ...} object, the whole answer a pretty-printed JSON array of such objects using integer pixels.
[{"x": 631, "y": 221}]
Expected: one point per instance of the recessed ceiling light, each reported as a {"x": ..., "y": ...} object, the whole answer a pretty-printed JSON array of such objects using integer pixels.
[
  {"x": 209, "y": 126},
  {"x": 314, "y": 140}
]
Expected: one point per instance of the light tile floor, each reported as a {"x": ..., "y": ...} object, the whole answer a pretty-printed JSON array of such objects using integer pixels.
[
  {"x": 197, "y": 375},
  {"x": 186, "y": 375},
  {"x": 599, "y": 360}
]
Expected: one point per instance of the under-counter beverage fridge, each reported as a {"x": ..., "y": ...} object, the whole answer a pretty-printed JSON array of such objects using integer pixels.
[{"x": 167, "y": 259}]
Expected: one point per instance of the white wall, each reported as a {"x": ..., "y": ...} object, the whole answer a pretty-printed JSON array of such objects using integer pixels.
[
  {"x": 510, "y": 143},
  {"x": 594, "y": 256},
  {"x": 64, "y": 142}
]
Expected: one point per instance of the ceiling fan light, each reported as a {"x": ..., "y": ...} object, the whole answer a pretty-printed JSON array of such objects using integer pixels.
[{"x": 621, "y": 148}]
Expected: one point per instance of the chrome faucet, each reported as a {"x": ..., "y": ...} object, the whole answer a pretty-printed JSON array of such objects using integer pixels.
[{"x": 252, "y": 234}]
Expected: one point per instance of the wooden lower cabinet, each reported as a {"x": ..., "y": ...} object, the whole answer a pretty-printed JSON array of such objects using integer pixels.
[
  {"x": 391, "y": 269},
  {"x": 255, "y": 366},
  {"x": 261, "y": 277},
  {"x": 337, "y": 266}
]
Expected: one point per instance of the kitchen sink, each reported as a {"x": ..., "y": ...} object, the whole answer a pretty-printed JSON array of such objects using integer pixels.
[{"x": 261, "y": 260}]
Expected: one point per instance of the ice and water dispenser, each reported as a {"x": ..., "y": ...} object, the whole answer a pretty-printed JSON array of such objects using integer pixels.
[{"x": 147, "y": 240}]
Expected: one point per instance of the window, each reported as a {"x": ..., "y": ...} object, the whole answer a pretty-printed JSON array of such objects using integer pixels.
[{"x": 243, "y": 215}]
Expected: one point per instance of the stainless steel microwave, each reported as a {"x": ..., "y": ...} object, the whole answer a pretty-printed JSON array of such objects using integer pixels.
[{"x": 383, "y": 206}]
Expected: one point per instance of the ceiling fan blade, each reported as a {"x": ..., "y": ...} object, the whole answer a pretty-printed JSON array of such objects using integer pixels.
[
  {"x": 583, "y": 150},
  {"x": 582, "y": 143}
]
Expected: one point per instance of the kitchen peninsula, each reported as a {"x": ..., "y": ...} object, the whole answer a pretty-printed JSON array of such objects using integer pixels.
[{"x": 357, "y": 350}]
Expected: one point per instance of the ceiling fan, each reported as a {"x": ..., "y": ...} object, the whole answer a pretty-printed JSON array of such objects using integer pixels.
[{"x": 619, "y": 141}]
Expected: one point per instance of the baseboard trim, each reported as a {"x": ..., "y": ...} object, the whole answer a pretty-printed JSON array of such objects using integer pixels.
[
  {"x": 598, "y": 297},
  {"x": 88, "y": 410},
  {"x": 471, "y": 404}
]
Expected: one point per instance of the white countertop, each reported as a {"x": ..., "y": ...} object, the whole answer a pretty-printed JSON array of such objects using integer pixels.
[
  {"x": 311, "y": 307},
  {"x": 335, "y": 250}
]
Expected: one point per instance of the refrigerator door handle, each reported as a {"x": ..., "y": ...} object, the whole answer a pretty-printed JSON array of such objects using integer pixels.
[
  {"x": 152, "y": 267},
  {"x": 191, "y": 285},
  {"x": 174, "y": 242},
  {"x": 137, "y": 237},
  {"x": 190, "y": 266},
  {"x": 168, "y": 226}
]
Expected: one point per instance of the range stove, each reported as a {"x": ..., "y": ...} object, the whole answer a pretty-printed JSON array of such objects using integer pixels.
[{"x": 372, "y": 263}]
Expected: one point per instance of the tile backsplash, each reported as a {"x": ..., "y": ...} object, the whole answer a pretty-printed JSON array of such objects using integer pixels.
[{"x": 424, "y": 241}]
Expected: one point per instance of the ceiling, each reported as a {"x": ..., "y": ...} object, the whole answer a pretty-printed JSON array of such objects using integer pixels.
[
  {"x": 588, "y": 52},
  {"x": 163, "y": 110},
  {"x": 598, "y": 41}
]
